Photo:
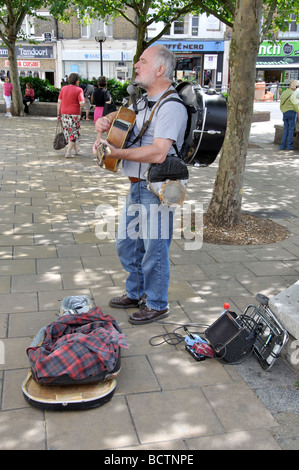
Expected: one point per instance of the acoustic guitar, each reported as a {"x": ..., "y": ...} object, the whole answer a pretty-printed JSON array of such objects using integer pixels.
[{"x": 117, "y": 136}]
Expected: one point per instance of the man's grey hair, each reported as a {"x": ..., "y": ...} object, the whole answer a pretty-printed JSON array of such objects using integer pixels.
[{"x": 165, "y": 57}]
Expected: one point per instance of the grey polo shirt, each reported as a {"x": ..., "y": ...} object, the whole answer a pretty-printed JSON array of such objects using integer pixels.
[{"x": 169, "y": 122}]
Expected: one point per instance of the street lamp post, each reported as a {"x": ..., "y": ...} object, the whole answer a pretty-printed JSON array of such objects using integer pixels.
[{"x": 101, "y": 38}]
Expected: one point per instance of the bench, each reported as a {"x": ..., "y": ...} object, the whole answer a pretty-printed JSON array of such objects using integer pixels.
[
  {"x": 260, "y": 116},
  {"x": 37, "y": 108},
  {"x": 278, "y": 136},
  {"x": 285, "y": 307}
]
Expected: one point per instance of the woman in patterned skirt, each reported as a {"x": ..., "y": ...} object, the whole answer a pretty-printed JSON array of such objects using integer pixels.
[{"x": 70, "y": 101}]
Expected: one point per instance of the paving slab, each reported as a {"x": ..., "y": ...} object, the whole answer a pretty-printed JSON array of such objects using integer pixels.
[{"x": 173, "y": 414}]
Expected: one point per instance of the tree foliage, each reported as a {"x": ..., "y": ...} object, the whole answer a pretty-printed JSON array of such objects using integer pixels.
[
  {"x": 12, "y": 15},
  {"x": 274, "y": 14}
]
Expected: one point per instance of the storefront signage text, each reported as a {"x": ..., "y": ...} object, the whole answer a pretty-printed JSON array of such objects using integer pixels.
[
  {"x": 112, "y": 55},
  {"x": 281, "y": 49},
  {"x": 32, "y": 52},
  {"x": 193, "y": 46},
  {"x": 183, "y": 47},
  {"x": 28, "y": 64}
]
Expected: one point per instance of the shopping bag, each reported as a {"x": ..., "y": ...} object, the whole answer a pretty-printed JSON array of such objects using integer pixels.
[{"x": 59, "y": 139}]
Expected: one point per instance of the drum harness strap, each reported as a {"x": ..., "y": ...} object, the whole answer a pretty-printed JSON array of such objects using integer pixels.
[{"x": 157, "y": 106}]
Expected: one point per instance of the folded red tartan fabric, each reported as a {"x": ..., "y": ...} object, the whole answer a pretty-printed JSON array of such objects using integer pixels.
[{"x": 79, "y": 346}]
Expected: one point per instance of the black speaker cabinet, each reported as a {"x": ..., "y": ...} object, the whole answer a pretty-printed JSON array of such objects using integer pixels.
[{"x": 229, "y": 339}]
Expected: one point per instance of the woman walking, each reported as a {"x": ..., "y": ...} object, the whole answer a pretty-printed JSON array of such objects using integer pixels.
[
  {"x": 70, "y": 101},
  {"x": 100, "y": 96}
]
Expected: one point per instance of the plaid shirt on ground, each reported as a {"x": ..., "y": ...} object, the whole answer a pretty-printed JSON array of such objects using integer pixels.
[{"x": 79, "y": 346}]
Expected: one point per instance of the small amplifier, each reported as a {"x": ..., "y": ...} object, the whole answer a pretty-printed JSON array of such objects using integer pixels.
[{"x": 229, "y": 339}]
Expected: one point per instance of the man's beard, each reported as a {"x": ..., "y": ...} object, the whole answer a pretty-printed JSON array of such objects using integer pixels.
[{"x": 140, "y": 83}]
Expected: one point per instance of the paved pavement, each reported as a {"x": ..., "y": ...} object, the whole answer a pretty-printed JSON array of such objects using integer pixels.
[{"x": 164, "y": 400}]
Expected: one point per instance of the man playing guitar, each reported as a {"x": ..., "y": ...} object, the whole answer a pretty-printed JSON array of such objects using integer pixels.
[{"x": 144, "y": 249}]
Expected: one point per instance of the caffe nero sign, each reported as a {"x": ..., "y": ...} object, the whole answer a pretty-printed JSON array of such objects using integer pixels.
[
  {"x": 278, "y": 54},
  {"x": 32, "y": 52}
]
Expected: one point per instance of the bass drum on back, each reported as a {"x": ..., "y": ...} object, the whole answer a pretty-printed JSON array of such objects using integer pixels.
[{"x": 207, "y": 117}]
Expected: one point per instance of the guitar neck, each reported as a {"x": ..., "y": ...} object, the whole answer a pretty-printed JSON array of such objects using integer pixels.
[{"x": 117, "y": 136}]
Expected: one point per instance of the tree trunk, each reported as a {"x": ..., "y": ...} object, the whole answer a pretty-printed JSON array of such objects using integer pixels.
[
  {"x": 141, "y": 44},
  {"x": 225, "y": 205},
  {"x": 17, "y": 99}
]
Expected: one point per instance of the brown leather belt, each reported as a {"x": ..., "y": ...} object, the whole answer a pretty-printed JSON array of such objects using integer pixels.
[{"x": 134, "y": 180}]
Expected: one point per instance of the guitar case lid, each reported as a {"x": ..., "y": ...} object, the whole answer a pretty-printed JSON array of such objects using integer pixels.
[{"x": 67, "y": 397}]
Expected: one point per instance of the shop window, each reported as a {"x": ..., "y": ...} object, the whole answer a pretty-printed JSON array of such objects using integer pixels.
[
  {"x": 189, "y": 68},
  {"x": 290, "y": 74},
  {"x": 76, "y": 67},
  {"x": 185, "y": 64}
]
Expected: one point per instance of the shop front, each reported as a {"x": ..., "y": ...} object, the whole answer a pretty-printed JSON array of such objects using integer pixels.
[
  {"x": 32, "y": 61},
  {"x": 278, "y": 62},
  {"x": 201, "y": 61}
]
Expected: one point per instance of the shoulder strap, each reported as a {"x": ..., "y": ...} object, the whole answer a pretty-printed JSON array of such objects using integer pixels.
[
  {"x": 178, "y": 100},
  {"x": 147, "y": 123},
  {"x": 287, "y": 99}
]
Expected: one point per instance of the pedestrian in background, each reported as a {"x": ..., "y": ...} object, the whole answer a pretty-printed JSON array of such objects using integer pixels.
[
  {"x": 28, "y": 97},
  {"x": 7, "y": 89},
  {"x": 100, "y": 96},
  {"x": 88, "y": 92},
  {"x": 289, "y": 110}
]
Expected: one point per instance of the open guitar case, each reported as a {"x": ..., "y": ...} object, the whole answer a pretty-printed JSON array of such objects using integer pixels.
[
  {"x": 67, "y": 397},
  {"x": 66, "y": 393}
]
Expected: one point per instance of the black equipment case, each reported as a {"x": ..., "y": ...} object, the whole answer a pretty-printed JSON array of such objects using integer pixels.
[
  {"x": 206, "y": 127},
  {"x": 229, "y": 339},
  {"x": 256, "y": 331}
]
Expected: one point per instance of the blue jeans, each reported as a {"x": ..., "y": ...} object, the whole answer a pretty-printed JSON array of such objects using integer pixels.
[
  {"x": 289, "y": 122},
  {"x": 142, "y": 244}
]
